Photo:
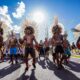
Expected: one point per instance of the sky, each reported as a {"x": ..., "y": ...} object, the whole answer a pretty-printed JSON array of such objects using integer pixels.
[{"x": 13, "y": 12}]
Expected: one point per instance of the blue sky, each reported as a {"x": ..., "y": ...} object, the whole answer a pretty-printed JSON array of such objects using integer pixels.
[{"x": 68, "y": 11}]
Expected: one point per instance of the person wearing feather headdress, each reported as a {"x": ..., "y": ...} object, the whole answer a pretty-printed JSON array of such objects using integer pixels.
[
  {"x": 29, "y": 40},
  {"x": 57, "y": 40},
  {"x": 1, "y": 41}
]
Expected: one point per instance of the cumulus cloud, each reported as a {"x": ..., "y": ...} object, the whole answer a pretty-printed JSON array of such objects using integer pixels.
[
  {"x": 3, "y": 10},
  {"x": 20, "y": 10},
  {"x": 7, "y": 21},
  {"x": 16, "y": 28},
  {"x": 4, "y": 16}
]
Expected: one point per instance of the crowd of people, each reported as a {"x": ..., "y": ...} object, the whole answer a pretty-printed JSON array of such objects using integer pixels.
[{"x": 58, "y": 45}]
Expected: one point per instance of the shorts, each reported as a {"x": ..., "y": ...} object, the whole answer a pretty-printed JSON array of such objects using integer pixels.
[
  {"x": 29, "y": 50},
  {"x": 59, "y": 49},
  {"x": 13, "y": 51}
]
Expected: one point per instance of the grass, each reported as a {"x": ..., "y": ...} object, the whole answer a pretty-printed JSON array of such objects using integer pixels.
[{"x": 75, "y": 56}]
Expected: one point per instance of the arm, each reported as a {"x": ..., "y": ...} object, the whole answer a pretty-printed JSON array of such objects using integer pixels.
[
  {"x": 8, "y": 43},
  {"x": 1, "y": 31},
  {"x": 17, "y": 43},
  {"x": 52, "y": 41},
  {"x": 35, "y": 41},
  {"x": 24, "y": 40},
  {"x": 69, "y": 45}
]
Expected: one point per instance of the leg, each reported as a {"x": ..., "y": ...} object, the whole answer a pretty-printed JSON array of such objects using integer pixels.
[
  {"x": 62, "y": 58},
  {"x": 57, "y": 55},
  {"x": 47, "y": 51},
  {"x": 2, "y": 55},
  {"x": 39, "y": 53},
  {"x": 61, "y": 51},
  {"x": 11, "y": 55},
  {"x": 33, "y": 56},
  {"x": 54, "y": 57},
  {"x": 57, "y": 59},
  {"x": 16, "y": 58},
  {"x": 26, "y": 57},
  {"x": 11, "y": 58},
  {"x": 15, "y": 55},
  {"x": 45, "y": 54}
]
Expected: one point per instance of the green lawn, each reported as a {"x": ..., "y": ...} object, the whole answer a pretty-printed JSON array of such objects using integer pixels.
[{"x": 75, "y": 56}]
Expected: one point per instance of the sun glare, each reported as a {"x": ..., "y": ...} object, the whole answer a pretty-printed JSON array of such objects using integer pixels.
[{"x": 38, "y": 16}]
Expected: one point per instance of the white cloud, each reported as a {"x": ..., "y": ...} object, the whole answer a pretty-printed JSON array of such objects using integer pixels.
[
  {"x": 6, "y": 19},
  {"x": 19, "y": 11},
  {"x": 16, "y": 28},
  {"x": 4, "y": 16},
  {"x": 3, "y": 10}
]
